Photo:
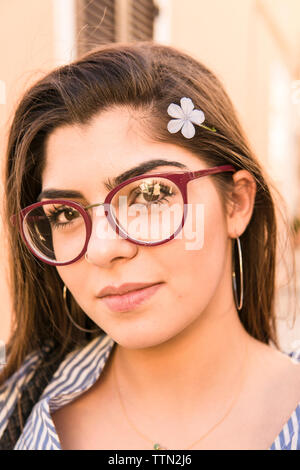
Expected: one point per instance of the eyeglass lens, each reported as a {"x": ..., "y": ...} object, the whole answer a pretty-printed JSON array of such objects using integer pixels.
[{"x": 149, "y": 210}]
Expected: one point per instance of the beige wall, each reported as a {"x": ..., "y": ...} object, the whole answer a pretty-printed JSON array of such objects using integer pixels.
[
  {"x": 26, "y": 51},
  {"x": 217, "y": 33},
  {"x": 237, "y": 39}
]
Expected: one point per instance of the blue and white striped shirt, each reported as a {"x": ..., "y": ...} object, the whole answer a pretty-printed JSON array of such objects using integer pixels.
[{"x": 77, "y": 373}]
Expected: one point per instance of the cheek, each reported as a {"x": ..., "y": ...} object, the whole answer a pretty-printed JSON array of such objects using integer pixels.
[
  {"x": 73, "y": 276},
  {"x": 195, "y": 262}
]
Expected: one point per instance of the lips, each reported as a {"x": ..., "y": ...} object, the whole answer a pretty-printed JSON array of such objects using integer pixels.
[
  {"x": 131, "y": 300},
  {"x": 123, "y": 289}
]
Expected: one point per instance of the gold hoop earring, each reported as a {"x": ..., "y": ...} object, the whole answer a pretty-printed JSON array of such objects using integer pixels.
[
  {"x": 240, "y": 303},
  {"x": 68, "y": 314}
]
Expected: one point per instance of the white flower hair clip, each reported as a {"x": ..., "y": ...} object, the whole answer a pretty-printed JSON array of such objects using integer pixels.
[{"x": 185, "y": 115}]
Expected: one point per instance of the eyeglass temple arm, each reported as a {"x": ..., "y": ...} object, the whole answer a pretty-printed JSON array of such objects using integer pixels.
[
  {"x": 13, "y": 218},
  {"x": 211, "y": 171},
  {"x": 94, "y": 205}
]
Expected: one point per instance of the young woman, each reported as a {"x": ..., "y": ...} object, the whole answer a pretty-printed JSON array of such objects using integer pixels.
[{"x": 142, "y": 243}]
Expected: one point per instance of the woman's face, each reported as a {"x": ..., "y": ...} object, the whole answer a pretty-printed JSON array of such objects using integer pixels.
[{"x": 191, "y": 267}]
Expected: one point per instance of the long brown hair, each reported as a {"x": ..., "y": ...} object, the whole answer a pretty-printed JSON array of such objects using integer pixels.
[{"x": 145, "y": 77}]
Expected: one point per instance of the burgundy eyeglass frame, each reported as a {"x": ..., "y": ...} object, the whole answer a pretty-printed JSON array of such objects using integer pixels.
[{"x": 180, "y": 179}]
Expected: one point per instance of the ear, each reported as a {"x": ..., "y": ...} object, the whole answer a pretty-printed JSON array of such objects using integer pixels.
[{"x": 240, "y": 207}]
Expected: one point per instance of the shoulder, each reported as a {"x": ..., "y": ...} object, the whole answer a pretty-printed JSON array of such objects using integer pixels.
[
  {"x": 33, "y": 378},
  {"x": 12, "y": 388},
  {"x": 75, "y": 373},
  {"x": 281, "y": 369},
  {"x": 79, "y": 367},
  {"x": 267, "y": 357},
  {"x": 295, "y": 355},
  {"x": 274, "y": 388},
  {"x": 289, "y": 436}
]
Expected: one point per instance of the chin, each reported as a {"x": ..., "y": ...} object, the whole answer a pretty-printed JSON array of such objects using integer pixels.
[{"x": 141, "y": 337}]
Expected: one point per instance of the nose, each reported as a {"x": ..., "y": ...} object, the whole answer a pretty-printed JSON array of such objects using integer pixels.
[{"x": 105, "y": 246}]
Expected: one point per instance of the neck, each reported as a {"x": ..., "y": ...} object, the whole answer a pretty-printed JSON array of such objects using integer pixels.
[{"x": 201, "y": 365}]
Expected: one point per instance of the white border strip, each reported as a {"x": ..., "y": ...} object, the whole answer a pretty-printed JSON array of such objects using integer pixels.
[
  {"x": 163, "y": 22},
  {"x": 64, "y": 18}
]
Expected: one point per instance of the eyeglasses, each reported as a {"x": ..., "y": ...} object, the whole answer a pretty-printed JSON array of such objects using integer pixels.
[{"x": 147, "y": 210}]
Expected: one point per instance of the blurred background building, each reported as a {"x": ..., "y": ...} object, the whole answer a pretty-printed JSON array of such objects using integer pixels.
[{"x": 253, "y": 46}]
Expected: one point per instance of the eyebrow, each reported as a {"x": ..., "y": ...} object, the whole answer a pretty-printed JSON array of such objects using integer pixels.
[{"x": 111, "y": 183}]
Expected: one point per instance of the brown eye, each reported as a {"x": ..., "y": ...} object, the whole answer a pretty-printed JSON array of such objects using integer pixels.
[
  {"x": 62, "y": 215},
  {"x": 153, "y": 191},
  {"x": 69, "y": 214}
]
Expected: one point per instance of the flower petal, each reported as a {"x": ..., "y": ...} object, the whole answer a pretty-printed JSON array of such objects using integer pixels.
[
  {"x": 187, "y": 105},
  {"x": 188, "y": 130},
  {"x": 175, "y": 111},
  {"x": 197, "y": 116},
  {"x": 175, "y": 125}
]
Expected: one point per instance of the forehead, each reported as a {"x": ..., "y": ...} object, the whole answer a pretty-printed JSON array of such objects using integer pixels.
[
  {"x": 112, "y": 143},
  {"x": 102, "y": 138}
]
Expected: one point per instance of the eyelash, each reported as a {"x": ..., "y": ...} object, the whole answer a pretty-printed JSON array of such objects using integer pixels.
[
  {"x": 54, "y": 213},
  {"x": 164, "y": 188}
]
